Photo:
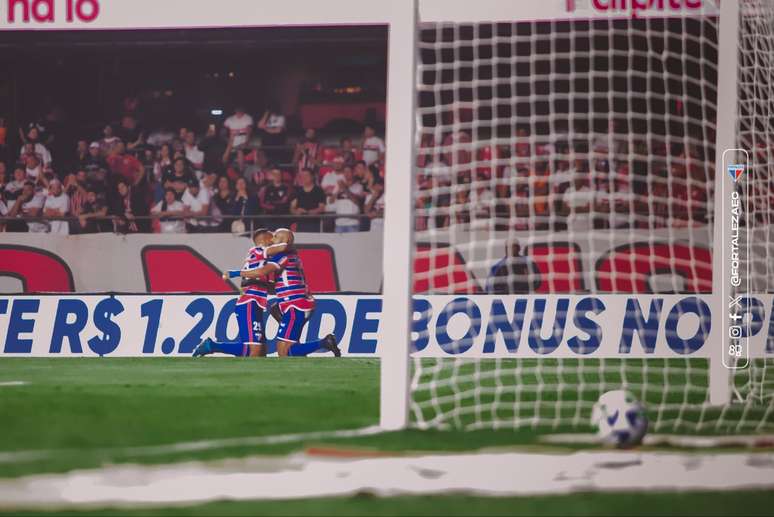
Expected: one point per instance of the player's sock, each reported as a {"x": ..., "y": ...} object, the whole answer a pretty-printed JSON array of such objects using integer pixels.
[
  {"x": 304, "y": 349},
  {"x": 235, "y": 348}
]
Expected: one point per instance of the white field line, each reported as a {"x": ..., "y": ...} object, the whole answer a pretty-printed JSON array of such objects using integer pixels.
[
  {"x": 673, "y": 440},
  {"x": 202, "y": 445},
  {"x": 303, "y": 476},
  {"x": 13, "y": 383}
]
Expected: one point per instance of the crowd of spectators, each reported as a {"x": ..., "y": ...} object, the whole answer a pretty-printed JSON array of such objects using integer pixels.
[
  {"x": 133, "y": 179},
  {"x": 587, "y": 180}
]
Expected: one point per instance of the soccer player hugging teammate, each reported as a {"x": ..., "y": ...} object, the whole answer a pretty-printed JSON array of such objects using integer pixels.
[
  {"x": 272, "y": 257},
  {"x": 249, "y": 307}
]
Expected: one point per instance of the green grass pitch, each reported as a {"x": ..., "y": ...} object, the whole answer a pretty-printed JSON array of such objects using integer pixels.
[{"x": 87, "y": 411}]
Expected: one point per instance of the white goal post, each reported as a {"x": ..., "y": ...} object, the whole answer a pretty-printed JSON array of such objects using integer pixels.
[{"x": 498, "y": 90}]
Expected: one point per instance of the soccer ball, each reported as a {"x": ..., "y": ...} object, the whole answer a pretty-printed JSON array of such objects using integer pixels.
[{"x": 620, "y": 419}]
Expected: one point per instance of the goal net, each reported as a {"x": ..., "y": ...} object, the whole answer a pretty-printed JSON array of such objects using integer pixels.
[{"x": 564, "y": 216}]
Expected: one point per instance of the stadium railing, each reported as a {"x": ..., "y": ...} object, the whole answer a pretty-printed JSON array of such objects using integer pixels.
[{"x": 325, "y": 222}]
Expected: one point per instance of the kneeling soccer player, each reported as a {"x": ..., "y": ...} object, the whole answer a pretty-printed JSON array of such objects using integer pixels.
[
  {"x": 250, "y": 306},
  {"x": 293, "y": 298}
]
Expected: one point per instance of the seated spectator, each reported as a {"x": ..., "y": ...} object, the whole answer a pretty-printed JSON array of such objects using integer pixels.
[
  {"x": 33, "y": 168},
  {"x": 440, "y": 172},
  {"x": 245, "y": 204},
  {"x": 576, "y": 203},
  {"x": 192, "y": 153},
  {"x": 178, "y": 177},
  {"x": 372, "y": 147},
  {"x": 14, "y": 187},
  {"x": 57, "y": 204},
  {"x": 75, "y": 187},
  {"x": 164, "y": 163},
  {"x": 361, "y": 170},
  {"x": 223, "y": 204},
  {"x": 3, "y": 176},
  {"x": 374, "y": 204},
  {"x": 124, "y": 206},
  {"x": 460, "y": 208},
  {"x": 349, "y": 200},
  {"x": 125, "y": 165},
  {"x": 330, "y": 181},
  {"x": 197, "y": 202},
  {"x": 209, "y": 182},
  {"x": 330, "y": 184},
  {"x": 482, "y": 203},
  {"x": 240, "y": 127},
  {"x": 108, "y": 141},
  {"x": 240, "y": 167},
  {"x": 308, "y": 199},
  {"x": 93, "y": 161},
  {"x": 81, "y": 153},
  {"x": 91, "y": 211},
  {"x": 169, "y": 210},
  {"x": 178, "y": 144},
  {"x": 346, "y": 154},
  {"x": 102, "y": 184},
  {"x": 29, "y": 204},
  {"x": 308, "y": 152},
  {"x": 274, "y": 198}
]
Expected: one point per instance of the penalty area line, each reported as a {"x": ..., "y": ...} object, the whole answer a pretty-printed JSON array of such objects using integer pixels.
[{"x": 13, "y": 383}]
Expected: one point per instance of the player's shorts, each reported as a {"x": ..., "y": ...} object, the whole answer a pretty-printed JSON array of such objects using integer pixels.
[
  {"x": 250, "y": 319},
  {"x": 293, "y": 321}
]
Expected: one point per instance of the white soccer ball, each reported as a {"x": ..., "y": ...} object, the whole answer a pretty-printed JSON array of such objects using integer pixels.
[{"x": 620, "y": 419}]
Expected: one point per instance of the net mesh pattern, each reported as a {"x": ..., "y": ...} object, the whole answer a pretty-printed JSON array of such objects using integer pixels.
[{"x": 567, "y": 157}]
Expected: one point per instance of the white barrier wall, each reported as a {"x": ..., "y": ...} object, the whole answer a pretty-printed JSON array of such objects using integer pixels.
[
  {"x": 444, "y": 326},
  {"x": 113, "y": 263}
]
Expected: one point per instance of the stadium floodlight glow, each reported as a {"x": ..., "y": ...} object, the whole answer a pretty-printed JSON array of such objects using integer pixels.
[{"x": 216, "y": 112}]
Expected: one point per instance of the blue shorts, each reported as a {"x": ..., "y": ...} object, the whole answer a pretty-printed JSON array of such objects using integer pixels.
[
  {"x": 250, "y": 319},
  {"x": 293, "y": 321}
]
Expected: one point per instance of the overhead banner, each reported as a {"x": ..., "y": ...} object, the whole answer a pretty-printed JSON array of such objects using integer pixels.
[{"x": 443, "y": 326}]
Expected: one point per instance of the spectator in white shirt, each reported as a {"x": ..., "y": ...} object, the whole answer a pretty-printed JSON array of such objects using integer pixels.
[
  {"x": 330, "y": 185},
  {"x": 169, "y": 209},
  {"x": 14, "y": 187},
  {"x": 38, "y": 150},
  {"x": 373, "y": 147},
  {"x": 34, "y": 169},
  {"x": 349, "y": 200},
  {"x": 32, "y": 143},
  {"x": 196, "y": 201},
  {"x": 192, "y": 153},
  {"x": 240, "y": 127},
  {"x": 29, "y": 204},
  {"x": 57, "y": 205}
]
